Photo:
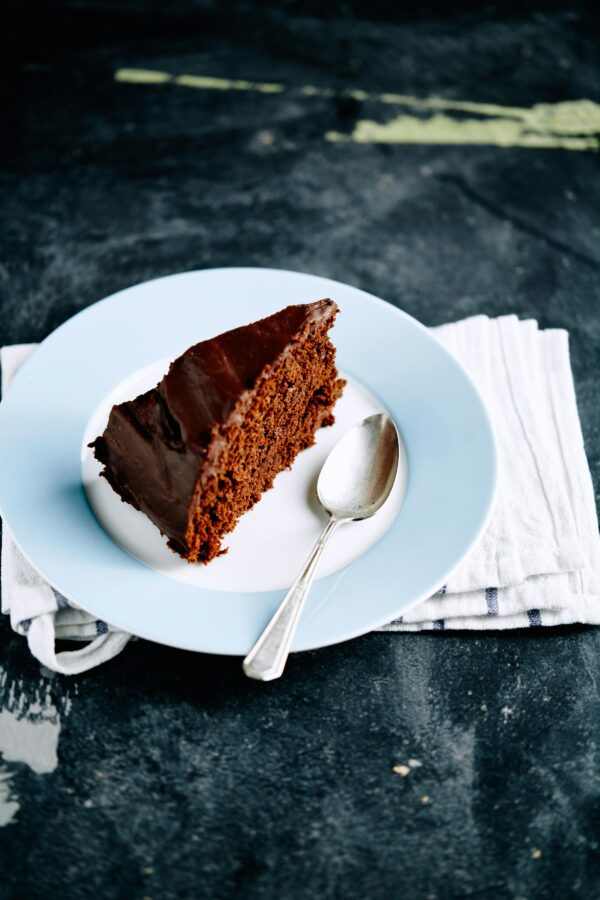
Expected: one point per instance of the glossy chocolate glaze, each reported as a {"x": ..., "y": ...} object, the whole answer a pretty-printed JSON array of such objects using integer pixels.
[{"x": 156, "y": 446}]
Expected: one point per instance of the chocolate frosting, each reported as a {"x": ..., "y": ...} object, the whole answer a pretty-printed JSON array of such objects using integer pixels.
[
  {"x": 155, "y": 446},
  {"x": 203, "y": 386}
]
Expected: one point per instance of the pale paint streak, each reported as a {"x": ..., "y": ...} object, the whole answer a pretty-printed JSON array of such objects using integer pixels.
[
  {"x": 29, "y": 733},
  {"x": 200, "y": 82},
  {"x": 441, "y": 129},
  {"x": 33, "y": 741},
  {"x": 142, "y": 76},
  {"x": 571, "y": 117},
  {"x": 206, "y": 83},
  {"x": 570, "y": 125},
  {"x": 9, "y": 805},
  {"x": 484, "y": 109}
]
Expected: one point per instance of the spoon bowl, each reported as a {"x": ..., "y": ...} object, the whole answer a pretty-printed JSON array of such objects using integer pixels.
[
  {"x": 359, "y": 473},
  {"x": 354, "y": 483}
]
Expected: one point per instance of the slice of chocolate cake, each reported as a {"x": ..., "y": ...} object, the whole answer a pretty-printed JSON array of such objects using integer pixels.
[{"x": 199, "y": 449}]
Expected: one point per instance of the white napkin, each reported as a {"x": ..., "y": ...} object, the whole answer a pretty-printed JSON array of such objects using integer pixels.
[
  {"x": 538, "y": 562},
  {"x": 38, "y": 611}
]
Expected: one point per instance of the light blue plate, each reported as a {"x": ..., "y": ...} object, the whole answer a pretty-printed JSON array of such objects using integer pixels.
[{"x": 446, "y": 430}]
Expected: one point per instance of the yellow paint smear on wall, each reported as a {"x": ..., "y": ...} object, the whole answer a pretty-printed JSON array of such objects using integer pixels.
[
  {"x": 441, "y": 129},
  {"x": 142, "y": 76},
  {"x": 569, "y": 117},
  {"x": 570, "y": 125},
  {"x": 426, "y": 103},
  {"x": 207, "y": 83},
  {"x": 201, "y": 82}
]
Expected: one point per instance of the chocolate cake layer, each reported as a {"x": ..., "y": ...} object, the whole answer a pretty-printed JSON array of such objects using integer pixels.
[{"x": 186, "y": 452}]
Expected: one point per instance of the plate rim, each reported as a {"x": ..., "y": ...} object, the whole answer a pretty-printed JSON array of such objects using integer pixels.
[{"x": 343, "y": 635}]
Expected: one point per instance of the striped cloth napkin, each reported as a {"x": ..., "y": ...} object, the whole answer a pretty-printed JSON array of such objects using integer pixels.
[
  {"x": 36, "y": 610},
  {"x": 538, "y": 563}
]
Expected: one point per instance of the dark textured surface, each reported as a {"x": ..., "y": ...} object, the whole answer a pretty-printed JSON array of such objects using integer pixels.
[{"x": 176, "y": 777}]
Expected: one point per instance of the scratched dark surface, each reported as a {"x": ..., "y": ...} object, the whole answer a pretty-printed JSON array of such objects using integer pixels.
[{"x": 176, "y": 777}]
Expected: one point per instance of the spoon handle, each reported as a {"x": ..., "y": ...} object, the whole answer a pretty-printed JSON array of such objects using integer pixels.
[{"x": 266, "y": 661}]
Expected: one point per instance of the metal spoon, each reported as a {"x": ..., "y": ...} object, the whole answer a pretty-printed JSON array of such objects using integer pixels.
[{"x": 354, "y": 483}]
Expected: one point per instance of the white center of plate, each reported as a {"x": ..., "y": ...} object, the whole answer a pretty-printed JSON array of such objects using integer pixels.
[{"x": 271, "y": 541}]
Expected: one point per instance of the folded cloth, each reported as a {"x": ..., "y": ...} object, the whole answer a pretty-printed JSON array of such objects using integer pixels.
[
  {"x": 538, "y": 562},
  {"x": 38, "y": 611}
]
